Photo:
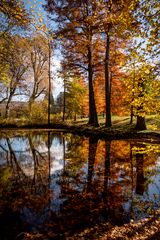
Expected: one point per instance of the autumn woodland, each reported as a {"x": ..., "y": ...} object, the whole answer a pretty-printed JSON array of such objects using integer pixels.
[
  {"x": 108, "y": 54},
  {"x": 79, "y": 119}
]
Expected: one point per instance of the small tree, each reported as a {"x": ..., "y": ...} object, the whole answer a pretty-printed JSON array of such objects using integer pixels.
[
  {"x": 74, "y": 97},
  {"x": 146, "y": 91}
]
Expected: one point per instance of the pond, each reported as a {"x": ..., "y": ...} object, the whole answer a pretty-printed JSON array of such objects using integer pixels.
[{"x": 57, "y": 184}]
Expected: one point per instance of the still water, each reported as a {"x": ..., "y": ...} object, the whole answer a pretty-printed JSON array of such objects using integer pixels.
[{"x": 58, "y": 184}]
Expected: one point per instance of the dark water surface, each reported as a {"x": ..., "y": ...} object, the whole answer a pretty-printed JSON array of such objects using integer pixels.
[{"x": 58, "y": 184}]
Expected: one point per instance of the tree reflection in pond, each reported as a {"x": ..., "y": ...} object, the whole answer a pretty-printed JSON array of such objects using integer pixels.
[
  {"x": 139, "y": 172},
  {"x": 59, "y": 184}
]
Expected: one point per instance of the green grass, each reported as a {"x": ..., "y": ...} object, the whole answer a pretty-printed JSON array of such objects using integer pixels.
[{"x": 123, "y": 122}]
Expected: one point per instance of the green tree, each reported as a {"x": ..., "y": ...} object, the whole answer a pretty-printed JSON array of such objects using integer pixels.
[{"x": 74, "y": 97}]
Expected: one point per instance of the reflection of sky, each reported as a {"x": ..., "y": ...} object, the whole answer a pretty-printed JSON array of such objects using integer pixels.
[
  {"x": 57, "y": 164},
  {"x": 17, "y": 144},
  {"x": 56, "y": 151},
  {"x": 154, "y": 186},
  {"x": 23, "y": 153}
]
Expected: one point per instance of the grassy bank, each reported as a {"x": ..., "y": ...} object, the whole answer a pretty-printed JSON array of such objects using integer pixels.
[{"x": 121, "y": 127}]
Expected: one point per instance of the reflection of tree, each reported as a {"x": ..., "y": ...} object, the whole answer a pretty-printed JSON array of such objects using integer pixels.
[
  {"x": 119, "y": 184},
  {"x": 74, "y": 156},
  {"x": 139, "y": 171},
  {"x": 13, "y": 161},
  {"x": 64, "y": 152},
  {"x": 20, "y": 196},
  {"x": 49, "y": 155},
  {"x": 7, "y": 155},
  {"x": 40, "y": 172},
  {"x": 131, "y": 161},
  {"x": 93, "y": 141},
  {"x": 75, "y": 152},
  {"x": 106, "y": 178}
]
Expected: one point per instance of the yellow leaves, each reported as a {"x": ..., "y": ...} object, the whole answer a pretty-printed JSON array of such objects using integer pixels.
[
  {"x": 14, "y": 12},
  {"x": 7, "y": 173},
  {"x": 147, "y": 148},
  {"x": 18, "y": 17},
  {"x": 147, "y": 71},
  {"x": 152, "y": 127},
  {"x": 41, "y": 20}
]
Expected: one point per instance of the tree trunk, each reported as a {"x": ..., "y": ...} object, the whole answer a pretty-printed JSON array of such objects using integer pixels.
[
  {"x": 49, "y": 82},
  {"x": 93, "y": 119},
  {"x": 64, "y": 101},
  {"x": 141, "y": 123},
  {"x": 7, "y": 110},
  {"x": 134, "y": 77},
  {"x": 7, "y": 106},
  {"x": 31, "y": 101},
  {"x": 131, "y": 116},
  {"x": 108, "y": 122}
]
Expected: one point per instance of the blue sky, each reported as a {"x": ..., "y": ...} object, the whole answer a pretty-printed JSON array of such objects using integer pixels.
[{"x": 36, "y": 5}]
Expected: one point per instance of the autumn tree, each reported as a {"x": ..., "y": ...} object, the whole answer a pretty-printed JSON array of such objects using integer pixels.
[
  {"x": 117, "y": 75},
  {"x": 146, "y": 94},
  {"x": 15, "y": 58},
  {"x": 74, "y": 90},
  {"x": 117, "y": 21},
  {"x": 142, "y": 83},
  {"x": 77, "y": 24},
  {"x": 38, "y": 58},
  {"x": 81, "y": 23},
  {"x": 13, "y": 17},
  {"x": 144, "y": 52},
  {"x": 12, "y": 14}
]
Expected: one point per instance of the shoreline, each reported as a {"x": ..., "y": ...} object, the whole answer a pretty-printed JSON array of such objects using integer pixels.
[{"x": 86, "y": 130}]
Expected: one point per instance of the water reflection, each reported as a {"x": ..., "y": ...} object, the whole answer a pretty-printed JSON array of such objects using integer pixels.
[
  {"x": 139, "y": 172},
  {"x": 59, "y": 183}
]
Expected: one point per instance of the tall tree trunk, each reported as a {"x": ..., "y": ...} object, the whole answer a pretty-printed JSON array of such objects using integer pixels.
[
  {"x": 141, "y": 123},
  {"x": 64, "y": 101},
  {"x": 108, "y": 122},
  {"x": 7, "y": 110},
  {"x": 133, "y": 86},
  {"x": 30, "y": 103},
  {"x": 7, "y": 106},
  {"x": 49, "y": 81},
  {"x": 132, "y": 115},
  {"x": 93, "y": 119}
]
